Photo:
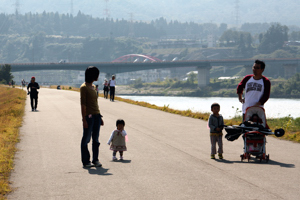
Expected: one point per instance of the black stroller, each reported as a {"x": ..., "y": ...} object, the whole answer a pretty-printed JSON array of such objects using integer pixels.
[{"x": 254, "y": 130}]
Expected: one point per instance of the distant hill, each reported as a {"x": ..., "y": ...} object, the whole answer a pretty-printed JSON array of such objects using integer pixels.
[{"x": 199, "y": 11}]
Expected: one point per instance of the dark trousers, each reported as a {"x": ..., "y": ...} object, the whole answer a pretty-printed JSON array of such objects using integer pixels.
[
  {"x": 35, "y": 99},
  {"x": 93, "y": 132},
  {"x": 105, "y": 92},
  {"x": 112, "y": 93},
  {"x": 115, "y": 153}
]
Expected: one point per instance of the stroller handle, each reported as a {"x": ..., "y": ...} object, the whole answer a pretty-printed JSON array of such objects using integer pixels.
[{"x": 278, "y": 132}]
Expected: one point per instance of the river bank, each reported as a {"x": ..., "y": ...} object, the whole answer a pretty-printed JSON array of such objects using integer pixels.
[
  {"x": 186, "y": 92},
  {"x": 148, "y": 91}
]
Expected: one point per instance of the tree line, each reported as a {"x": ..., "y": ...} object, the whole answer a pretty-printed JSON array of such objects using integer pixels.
[
  {"x": 85, "y": 25},
  {"x": 50, "y": 37}
]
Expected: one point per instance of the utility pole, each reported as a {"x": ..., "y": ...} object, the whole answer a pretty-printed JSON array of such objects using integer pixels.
[
  {"x": 131, "y": 27},
  {"x": 17, "y": 6},
  {"x": 237, "y": 12},
  {"x": 71, "y": 7},
  {"x": 106, "y": 10}
]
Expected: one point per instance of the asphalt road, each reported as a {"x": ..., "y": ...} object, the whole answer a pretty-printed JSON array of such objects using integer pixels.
[{"x": 168, "y": 157}]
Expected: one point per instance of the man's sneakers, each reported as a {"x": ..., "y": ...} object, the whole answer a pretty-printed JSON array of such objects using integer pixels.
[
  {"x": 97, "y": 164},
  {"x": 89, "y": 165},
  {"x": 94, "y": 164}
]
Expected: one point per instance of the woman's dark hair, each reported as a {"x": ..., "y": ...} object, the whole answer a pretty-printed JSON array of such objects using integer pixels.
[
  {"x": 91, "y": 74},
  {"x": 120, "y": 121}
]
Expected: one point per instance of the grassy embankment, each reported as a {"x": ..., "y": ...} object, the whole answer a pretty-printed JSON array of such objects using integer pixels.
[
  {"x": 289, "y": 124},
  {"x": 12, "y": 104}
]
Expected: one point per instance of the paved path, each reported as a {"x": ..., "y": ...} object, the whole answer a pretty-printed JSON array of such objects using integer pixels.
[{"x": 168, "y": 157}]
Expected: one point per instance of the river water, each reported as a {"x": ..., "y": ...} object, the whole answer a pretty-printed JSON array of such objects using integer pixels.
[{"x": 275, "y": 108}]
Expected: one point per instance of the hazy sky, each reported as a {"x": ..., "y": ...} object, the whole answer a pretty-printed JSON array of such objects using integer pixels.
[{"x": 201, "y": 11}]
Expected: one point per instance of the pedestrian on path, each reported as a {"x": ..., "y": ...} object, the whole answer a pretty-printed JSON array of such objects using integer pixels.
[
  {"x": 216, "y": 124},
  {"x": 105, "y": 88},
  {"x": 91, "y": 118},
  {"x": 97, "y": 90},
  {"x": 112, "y": 85},
  {"x": 34, "y": 86},
  {"x": 23, "y": 83},
  {"x": 117, "y": 140}
]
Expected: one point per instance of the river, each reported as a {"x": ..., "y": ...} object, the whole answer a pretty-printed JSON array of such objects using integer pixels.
[{"x": 275, "y": 108}]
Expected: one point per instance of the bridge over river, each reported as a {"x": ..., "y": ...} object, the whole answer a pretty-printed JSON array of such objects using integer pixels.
[{"x": 290, "y": 65}]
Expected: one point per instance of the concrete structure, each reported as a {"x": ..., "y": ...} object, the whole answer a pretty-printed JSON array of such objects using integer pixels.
[
  {"x": 113, "y": 68},
  {"x": 203, "y": 75}
]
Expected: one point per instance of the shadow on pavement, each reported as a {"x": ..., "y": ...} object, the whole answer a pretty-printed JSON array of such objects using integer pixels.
[
  {"x": 98, "y": 171},
  {"x": 273, "y": 162},
  {"x": 256, "y": 161},
  {"x": 224, "y": 161},
  {"x": 122, "y": 161}
]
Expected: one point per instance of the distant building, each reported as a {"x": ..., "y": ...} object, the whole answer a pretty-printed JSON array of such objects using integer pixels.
[
  {"x": 292, "y": 43},
  {"x": 211, "y": 41}
]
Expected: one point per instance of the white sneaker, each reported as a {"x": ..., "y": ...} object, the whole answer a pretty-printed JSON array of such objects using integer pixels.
[
  {"x": 121, "y": 157},
  {"x": 114, "y": 158}
]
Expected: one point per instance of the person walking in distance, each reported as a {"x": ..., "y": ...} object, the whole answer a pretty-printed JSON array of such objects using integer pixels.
[
  {"x": 91, "y": 118},
  {"x": 34, "y": 86},
  {"x": 23, "y": 83},
  {"x": 105, "y": 88},
  {"x": 257, "y": 87},
  {"x": 112, "y": 86}
]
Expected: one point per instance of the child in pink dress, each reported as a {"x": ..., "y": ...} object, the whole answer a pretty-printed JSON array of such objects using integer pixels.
[{"x": 117, "y": 140}]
